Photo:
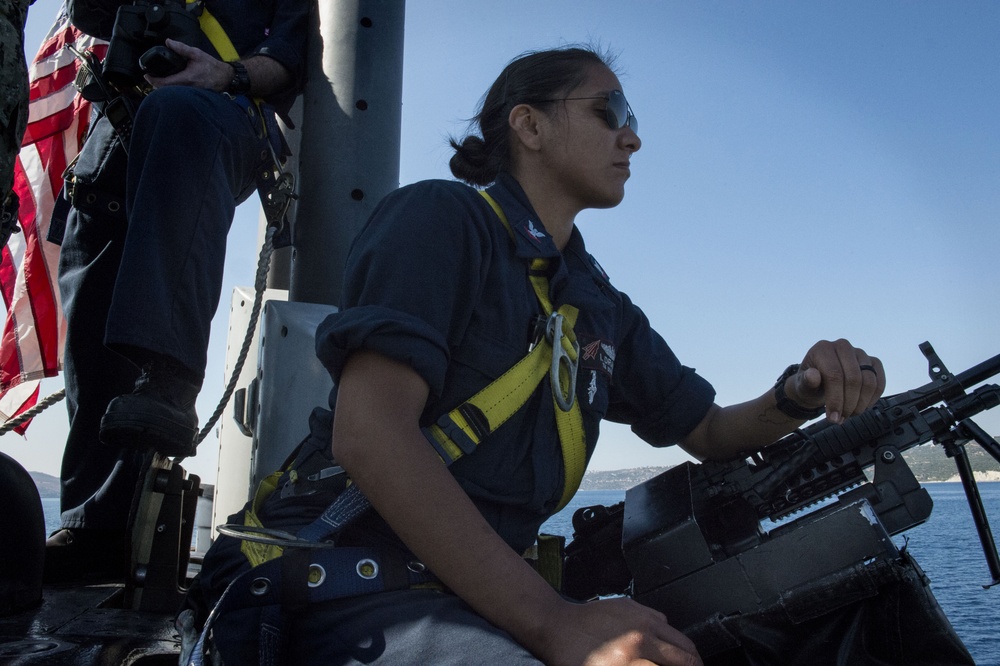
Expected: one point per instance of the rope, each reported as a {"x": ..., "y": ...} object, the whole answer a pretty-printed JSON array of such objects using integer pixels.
[
  {"x": 263, "y": 265},
  {"x": 33, "y": 412},
  {"x": 260, "y": 283}
]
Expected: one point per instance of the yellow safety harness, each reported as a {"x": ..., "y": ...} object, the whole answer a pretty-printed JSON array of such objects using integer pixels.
[
  {"x": 316, "y": 568},
  {"x": 461, "y": 430},
  {"x": 275, "y": 185},
  {"x": 216, "y": 33}
]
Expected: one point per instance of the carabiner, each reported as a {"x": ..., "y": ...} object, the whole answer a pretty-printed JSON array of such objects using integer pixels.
[{"x": 560, "y": 359}]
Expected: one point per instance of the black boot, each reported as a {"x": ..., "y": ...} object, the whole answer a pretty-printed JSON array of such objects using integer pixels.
[{"x": 159, "y": 414}]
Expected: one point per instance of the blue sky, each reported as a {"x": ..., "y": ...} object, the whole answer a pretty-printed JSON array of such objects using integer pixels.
[{"x": 808, "y": 170}]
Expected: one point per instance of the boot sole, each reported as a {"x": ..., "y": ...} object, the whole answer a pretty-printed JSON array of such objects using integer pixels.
[{"x": 164, "y": 436}]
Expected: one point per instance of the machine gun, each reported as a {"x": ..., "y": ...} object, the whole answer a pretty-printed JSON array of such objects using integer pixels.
[{"x": 691, "y": 542}]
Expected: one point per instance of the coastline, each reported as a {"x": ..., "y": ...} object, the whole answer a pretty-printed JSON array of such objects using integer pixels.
[
  {"x": 619, "y": 479},
  {"x": 623, "y": 479}
]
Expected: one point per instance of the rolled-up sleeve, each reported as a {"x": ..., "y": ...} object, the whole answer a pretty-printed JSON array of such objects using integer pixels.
[
  {"x": 394, "y": 334},
  {"x": 286, "y": 37},
  {"x": 412, "y": 280}
]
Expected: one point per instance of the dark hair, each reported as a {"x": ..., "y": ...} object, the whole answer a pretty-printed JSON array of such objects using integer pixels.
[{"x": 533, "y": 76}]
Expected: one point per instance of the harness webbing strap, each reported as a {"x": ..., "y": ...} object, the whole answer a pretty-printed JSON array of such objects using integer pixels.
[
  {"x": 462, "y": 429},
  {"x": 299, "y": 577},
  {"x": 216, "y": 34},
  {"x": 572, "y": 440},
  {"x": 255, "y": 552},
  {"x": 486, "y": 411}
]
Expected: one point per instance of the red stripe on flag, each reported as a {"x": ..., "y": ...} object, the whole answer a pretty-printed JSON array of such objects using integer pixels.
[
  {"x": 61, "y": 34},
  {"x": 30, "y": 345},
  {"x": 54, "y": 82},
  {"x": 25, "y": 406},
  {"x": 8, "y": 272},
  {"x": 11, "y": 362},
  {"x": 42, "y": 300}
]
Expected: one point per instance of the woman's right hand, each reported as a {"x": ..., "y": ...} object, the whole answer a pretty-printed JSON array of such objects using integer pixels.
[{"x": 615, "y": 632}]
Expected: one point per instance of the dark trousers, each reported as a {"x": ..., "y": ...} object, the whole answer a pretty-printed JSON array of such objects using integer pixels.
[{"x": 141, "y": 267}]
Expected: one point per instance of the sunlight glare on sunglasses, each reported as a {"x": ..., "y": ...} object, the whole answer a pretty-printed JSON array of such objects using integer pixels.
[{"x": 618, "y": 113}]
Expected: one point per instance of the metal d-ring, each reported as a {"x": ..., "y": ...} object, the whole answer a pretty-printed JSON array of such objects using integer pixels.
[
  {"x": 560, "y": 359},
  {"x": 270, "y": 536}
]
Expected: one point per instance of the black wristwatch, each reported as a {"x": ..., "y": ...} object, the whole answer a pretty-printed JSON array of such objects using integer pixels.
[
  {"x": 240, "y": 83},
  {"x": 786, "y": 405}
]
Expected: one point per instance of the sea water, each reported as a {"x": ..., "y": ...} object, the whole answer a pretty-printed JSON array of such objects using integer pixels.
[{"x": 946, "y": 547}]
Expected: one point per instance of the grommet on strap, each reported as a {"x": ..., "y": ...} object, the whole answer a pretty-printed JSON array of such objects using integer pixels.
[
  {"x": 260, "y": 586},
  {"x": 316, "y": 575},
  {"x": 367, "y": 569}
]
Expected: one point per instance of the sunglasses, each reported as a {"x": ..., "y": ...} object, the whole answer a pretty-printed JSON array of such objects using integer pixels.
[{"x": 618, "y": 113}]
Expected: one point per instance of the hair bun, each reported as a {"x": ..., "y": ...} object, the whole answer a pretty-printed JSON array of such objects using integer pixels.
[{"x": 471, "y": 161}]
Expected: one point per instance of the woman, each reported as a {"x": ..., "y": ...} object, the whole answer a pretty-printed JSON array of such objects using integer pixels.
[{"x": 438, "y": 303}]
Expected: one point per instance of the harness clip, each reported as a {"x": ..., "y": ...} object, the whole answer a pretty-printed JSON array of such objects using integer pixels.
[{"x": 562, "y": 360}]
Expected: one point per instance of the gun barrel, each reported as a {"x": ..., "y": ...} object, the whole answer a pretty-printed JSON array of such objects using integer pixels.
[{"x": 980, "y": 372}]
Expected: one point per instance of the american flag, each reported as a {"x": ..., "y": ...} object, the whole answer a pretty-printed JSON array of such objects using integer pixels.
[{"x": 34, "y": 330}]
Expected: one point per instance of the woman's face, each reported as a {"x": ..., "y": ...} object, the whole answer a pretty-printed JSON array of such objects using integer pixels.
[{"x": 587, "y": 157}]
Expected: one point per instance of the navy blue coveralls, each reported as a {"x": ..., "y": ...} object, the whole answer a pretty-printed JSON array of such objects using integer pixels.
[
  {"x": 143, "y": 252},
  {"x": 434, "y": 281}
]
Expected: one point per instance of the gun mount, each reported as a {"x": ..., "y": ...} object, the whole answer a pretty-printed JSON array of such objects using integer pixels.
[{"x": 693, "y": 541}]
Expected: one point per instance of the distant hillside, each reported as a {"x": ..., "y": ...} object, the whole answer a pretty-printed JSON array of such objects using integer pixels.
[
  {"x": 619, "y": 479},
  {"x": 928, "y": 462},
  {"x": 48, "y": 486}
]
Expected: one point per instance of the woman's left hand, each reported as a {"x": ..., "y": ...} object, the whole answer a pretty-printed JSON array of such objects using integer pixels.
[{"x": 840, "y": 376}]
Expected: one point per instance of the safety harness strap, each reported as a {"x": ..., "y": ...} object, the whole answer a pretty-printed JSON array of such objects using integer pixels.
[
  {"x": 462, "y": 429},
  {"x": 298, "y": 574},
  {"x": 459, "y": 432},
  {"x": 275, "y": 186},
  {"x": 310, "y": 576},
  {"x": 256, "y": 552},
  {"x": 216, "y": 33}
]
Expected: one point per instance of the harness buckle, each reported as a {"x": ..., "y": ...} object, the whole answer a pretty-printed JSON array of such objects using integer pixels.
[{"x": 562, "y": 360}]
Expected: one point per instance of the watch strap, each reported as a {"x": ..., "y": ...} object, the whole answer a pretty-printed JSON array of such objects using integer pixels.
[
  {"x": 786, "y": 405},
  {"x": 240, "y": 83}
]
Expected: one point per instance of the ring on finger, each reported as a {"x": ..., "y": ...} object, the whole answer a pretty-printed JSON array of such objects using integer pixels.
[{"x": 870, "y": 368}]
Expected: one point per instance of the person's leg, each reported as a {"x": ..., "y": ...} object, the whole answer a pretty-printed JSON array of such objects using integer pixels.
[
  {"x": 13, "y": 108},
  {"x": 193, "y": 156},
  {"x": 97, "y": 481},
  {"x": 406, "y": 627}
]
